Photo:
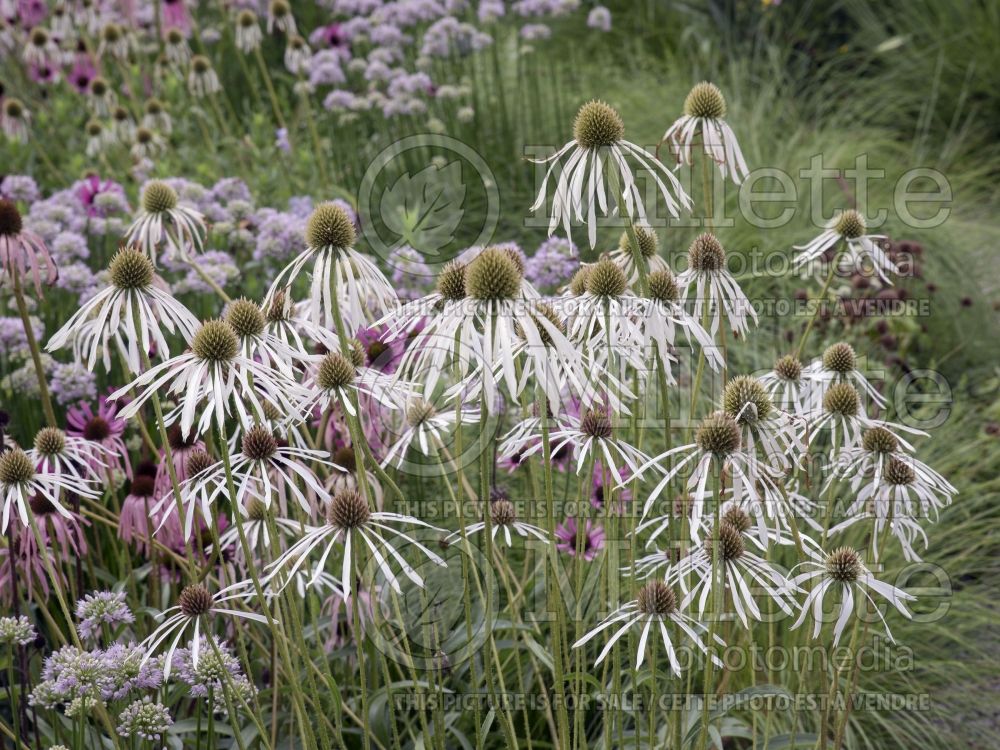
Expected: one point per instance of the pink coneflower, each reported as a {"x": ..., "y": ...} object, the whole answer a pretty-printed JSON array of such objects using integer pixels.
[
  {"x": 27, "y": 574},
  {"x": 102, "y": 427},
  {"x": 138, "y": 520},
  {"x": 21, "y": 250},
  {"x": 175, "y": 16},
  {"x": 597, "y": 488},
  {"x": 56, "y": 529},
  {"x": 381, "y": 354},
  {"x": 82, "y": 72},
  {"x": 342, "y": 616},
  {"x": 592, "y": 542},
  {"x": 91, "y": 187}
]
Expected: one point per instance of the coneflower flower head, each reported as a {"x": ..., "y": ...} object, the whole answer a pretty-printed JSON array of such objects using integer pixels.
[
  {"x": 578, "y": 284},
  {"x": 879, "y": 440},
  {"x": 645, "y": 237},
  {"x": 451, "y": 281},
  {"x": 330, "y": 226},
  {"x": 705, "y": 100},
  {"x": 606, "y": 279},
  {"x": 258, "y": 443},
  {"x": 663, "y": 286},
  {"x": 245, "y": 317},
  {"x": 843, "y": 399},
  {"x": 215, "y": 341},
  {"x": 194, "y": 600},
  {"x": 131, "y": 269},
  {"x": 730, "y": 540},
  {"x": 10, "y": 218},
  {"x": 15, "y": 467},
  {"x": 335, "y": 371},
  {"x": 844, "y": 564},
  {"x": 50, "y": 441},
  {"x": 493, "y": 275},
  {"x": 706, "y": 254},
  {"x": 746, "y": 400},
  {"x": 840, "y": 358},
  {"x": 158, "y": 197},
  {"x": 788, "y": 367},
  {"x": 657, "y": 598},
  {"x": 719, "y": 435},
  {"x": 597, "y": 124},
  {"x": 347, "y": 510}
]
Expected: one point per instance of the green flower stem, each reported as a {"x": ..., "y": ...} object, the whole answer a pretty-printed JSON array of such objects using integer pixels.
[
  {"x": 819, "y": 303},
  {"x": 36, "y": 356}
]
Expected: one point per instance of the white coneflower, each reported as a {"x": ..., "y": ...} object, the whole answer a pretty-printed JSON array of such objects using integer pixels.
[
  {"x": 503, "y": 518},
  {"x": 604, "y": 316},
  {"x": 297, "y": 55},
  {"x": 115, "y": 41},
  {"x": 849, "y": 227},
  {"x": 844, "y": 571},
  {"x": 717, "y": 441},
  {"x": 202, "y": 79},
  {"x": 841, "y": 415},
  {"x": 339, "y": 377},
  {"x": 342, "y": 278},
  {"x": 248, "y": 33},
  {"x": 133, "y": 312},
  {"x": 656, "y": 605},
  {"x": 22, "y": 252},
  {"x": 279, "y": 16},
  {"x": 599, "y": 155},
  {"x": 96, "y": 137},
  {"x": 661, "y": 314},
  {"x": 349, "y": 521},
  {"x": 102, "y": 96},
  {"x": 880, "y": 445},
  {"x": 257, "y": 522},
  {"x": 122, "y": 126},
  {"x": 256, "y": 340},
  {"x": 261, "y": 470},
  {"x": 176, "y": 48},
  {"x": 591, "y": 438},
  {"x": 41, "y": 50},
  {"x": 839, "y": 364},
  {"x": 787, "y": 383},
  {"x": 19, "y": 483},
  {"x": 425, "y": 427},
  {"x": 704, "y": 110},
  {"x": 482, "y": 330},
  {"x": 739, "y": 571},
  {"x": 164, "y": 220},
  {"x": 216, "y": 379},
  {"x": 15, "y": 120},
  {"x": 284, "y": 327},
  {"x": 715, "y": 289},
  {"x": 148, "y": 143},
  {"x": 156, "y": 118},
  {"x": 55, "y": 452},
  {"x": 194, "y": 603},
  {"x": 774, "y": 432},
  {"x": 649, "y": 245}
]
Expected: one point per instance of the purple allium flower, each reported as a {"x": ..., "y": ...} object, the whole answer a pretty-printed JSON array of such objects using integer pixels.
[
  {"x": 131, "y": 670},
  {"x": 99, "y": 609},
  {"x": 16, "y": 631},
  {"x": 281, "y": 140},
  {"x": 490, "y": 10},
  {"x": 67, "y": 247},
  {"x": 534, "y": 32},
  {"x": 591, "y": 544},
  {"x": 553, "y": 264},
  {"x": 218, "y": 671},
  {"x": 230, "y": 189},
  {"x": 599, "y": 18},
  {"x": 411, "y": 277},
  {"x": 101, "y": 197},
  {"x": 19, "y": 187},
  {"x": 71, "y": 382},
  {"x": 450, "y": 36},
  {"x": 340, "y": 100},
  {"x": 12, "y": 336},
  {"x": 279, "y": 235},
  {"x": 144, "y": 719},
  {"x": 325, "y": 68}
]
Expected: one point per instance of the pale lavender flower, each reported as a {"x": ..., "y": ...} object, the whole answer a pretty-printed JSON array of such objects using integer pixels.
[
  {"x": 555, "y": 261},
  {"x": 16, "y": 631},
  {"x": 71, "y": 382},
  {"x": 144, "y": 720},
  {"x": 18, "y": 187},
  {"x": 599, "y": 18},
  {"x": 535, "y": 32},
  {"x": 102, "y": 608}
]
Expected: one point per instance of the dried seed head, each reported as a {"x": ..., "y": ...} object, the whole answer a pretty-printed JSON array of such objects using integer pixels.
[
  {"x": 746, "y": 400},
  {"x": 606, "y": 279},
  {"x": 99, "y": 86},
  {"x": 246, "y": 18},
  {"x": 215, "y": 341},
  {"x": 15, "y": 467},
  {"x": 788, "y": 368},
  {"x": 737, "y": 518},
  {"x": 97, "y": 429},
  {"x": 657, "y": 598},
  {"x": 256, "y": 510},
  {"x": 194, "y": 600},
  {"x": 258, "y": 443},
  {"x": 842, "y": 398},
  {"x": 706, "y": 254},
  {"x": 200, "y": 65},
  {"x": 844, "y": 565},
  {"x": 879, "y": 440},
  {"x": 197, "y": 462},
  {"x": 649, "y": 243},
  {"x": 502, "y": 513},
  {"x": 840, "y": 358},
  {"x": 492, "y": 275},
  {"x": 850, "y": 224},
  {"x": 330, "y": 226},
  {"x": 131, "y": 269},
  {"x": 335, "y": 371},
  {"x": 718, "y": 434},
  {"x": 705, "y": 100},
  {"x": 597, "y": 124},
  {"x": 347, "y": 510},
  {"x": 50, "y": 441},
  {"x": 158, "y": 196},
  {"x": 662, "y": 286},
  {"x": 578, "y": 284},
  {"x": 10, "y": 218},
  {"x": 419, "y": 411},
  {"x": 246, "y": 318},
  {"x": 731, "y": 545},
  {"x": 899, "y": 472},
  {"x": 451, "y": 281},
  {"x": 596, "y": 423},
  {"x": 142, "y": 486}
]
